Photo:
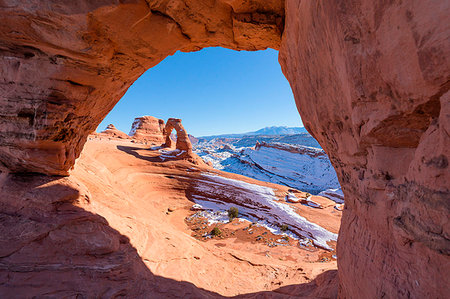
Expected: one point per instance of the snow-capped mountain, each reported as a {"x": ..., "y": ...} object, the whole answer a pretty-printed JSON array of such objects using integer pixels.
[
  {"x": 267, "y": 131},
  {"x": 274, "y": 130}
]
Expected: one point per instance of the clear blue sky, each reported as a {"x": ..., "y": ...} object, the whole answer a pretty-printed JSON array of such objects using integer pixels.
[{"x": 214, "y": 91}]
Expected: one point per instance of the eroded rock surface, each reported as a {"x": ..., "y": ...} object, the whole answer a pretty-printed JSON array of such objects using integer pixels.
[
  {"x": 183, "y": 142},
  {"x": 370, "y": 79},
  {"x": 64, "y": 65},
  {"x": 149, "y": 129},
  {"x": 112, "y": 131}
]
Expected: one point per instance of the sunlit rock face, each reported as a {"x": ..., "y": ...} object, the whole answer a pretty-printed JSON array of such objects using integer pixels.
[
  {"x": 148, "y": 129},
  {"x": 112, "y": 132},
  {"x": 183, "y": 143},
  {"x": 370, "y": 79},
  {"x": 65, "y": 64}
]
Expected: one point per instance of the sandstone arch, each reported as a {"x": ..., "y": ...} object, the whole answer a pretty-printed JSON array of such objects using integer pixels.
[
  {"x": 183, "y": 143},
  {"x": 370, "y": 79}
]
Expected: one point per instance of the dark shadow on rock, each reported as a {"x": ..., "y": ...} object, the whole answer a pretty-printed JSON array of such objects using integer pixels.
[
  {"x": 51, "y": 247},
  {"x": 157, "y": 159},
  {"x": 325, "y": 285},
  {"x": 133, "y": 151}
]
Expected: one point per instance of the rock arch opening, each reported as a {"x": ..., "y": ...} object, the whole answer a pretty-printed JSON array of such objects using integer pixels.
[{"x": 375, "y": 96}]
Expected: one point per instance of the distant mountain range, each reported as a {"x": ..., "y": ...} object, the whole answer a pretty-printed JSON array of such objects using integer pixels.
[{"x": 267, "y": 131}]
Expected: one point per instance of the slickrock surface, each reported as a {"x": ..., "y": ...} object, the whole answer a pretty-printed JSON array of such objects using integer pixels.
[
  {"x": 112, "y": 131},
  {"x": 117, "y": 227},
  {"x": 370, "y": 79},
  {"x": 148, "y": 129}
]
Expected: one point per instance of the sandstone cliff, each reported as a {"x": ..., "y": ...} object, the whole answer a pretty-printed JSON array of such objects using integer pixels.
[
  {"x": 148, "y": 129},
  {"x": 371, "y": 81}
]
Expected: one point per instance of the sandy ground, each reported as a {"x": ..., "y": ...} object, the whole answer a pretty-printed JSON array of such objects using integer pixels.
[{"x": 147, "y": 200}]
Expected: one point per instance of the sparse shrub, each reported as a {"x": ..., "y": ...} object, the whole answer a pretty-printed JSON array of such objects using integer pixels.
[
  {"x": 233, "y": 212},
  {"x": 284, "y": 227},
  {"x": 307, "y": 194},
  {"x": 286, "y": 238},
  {"x": 216, "y": 231}
]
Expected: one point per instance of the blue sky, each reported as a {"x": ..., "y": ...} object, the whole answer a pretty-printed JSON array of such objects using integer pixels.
[{"x": 214, "y": 91}]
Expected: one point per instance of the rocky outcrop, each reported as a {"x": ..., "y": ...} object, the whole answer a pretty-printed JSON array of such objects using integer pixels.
[
  {"x": 112, "y": 131},
  {"x": 148, "y": 129},
  {"x": 64, "y": 65},
  {"x": 183, "y": 143},
  {"x": 295, "y": 149},
  {"x": 370, "y": 79}
]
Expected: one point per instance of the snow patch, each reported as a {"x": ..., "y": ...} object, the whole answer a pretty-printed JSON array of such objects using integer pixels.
[
  {"x": 335, "y": 195},
  {"x": 258, "y": 204}
]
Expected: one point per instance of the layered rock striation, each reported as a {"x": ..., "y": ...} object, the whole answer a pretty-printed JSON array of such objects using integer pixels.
[
  {"x": 148, "y": 129},
  {"x": 65, "y": 65},
  {"x": 370, "y": 79},
  {"x": 112, "y": 131}
]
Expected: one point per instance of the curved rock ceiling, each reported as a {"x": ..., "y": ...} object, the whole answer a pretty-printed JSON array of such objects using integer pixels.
[{"x": 370, "y": 79}]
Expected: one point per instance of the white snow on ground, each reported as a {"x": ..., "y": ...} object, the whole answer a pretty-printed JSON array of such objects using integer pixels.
[
  {"x": 292, "y": 198},
  {"x": 335, "y": 195},
  {"x": 297, "y": 166},
  {"x": 309, "y": 171},
  {"x": 258, "y": 204},
  {"x": 306, "y": 201}
]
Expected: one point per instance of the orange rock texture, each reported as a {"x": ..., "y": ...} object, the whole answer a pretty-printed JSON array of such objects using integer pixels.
[
  {"x": 370, "y": 79},
  {"x": 112, "y": 131},
  {"x": 66, "y": 64},
  {"x": 148, "y": 129},
  {"x": 183, "y": 142}
]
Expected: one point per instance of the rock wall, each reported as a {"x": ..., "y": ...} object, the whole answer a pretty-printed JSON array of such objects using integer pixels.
[
  {"x": 148, "y": 129},
  {"x": 370, "y": 79},
  {"x": 65, "y": 64}
]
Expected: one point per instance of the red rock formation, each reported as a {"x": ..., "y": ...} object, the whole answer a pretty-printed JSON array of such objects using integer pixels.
[
  {"x": 370, "y": 79},
  {"x": 183, "y": 142},
  {"x": 112, "y": 131},
  {"x": 148, "y": 129},
  {"x": 66, "y": 64}
]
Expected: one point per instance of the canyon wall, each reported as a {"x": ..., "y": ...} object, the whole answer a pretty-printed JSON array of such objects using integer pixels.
[{"x": 370, "y": 79}]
